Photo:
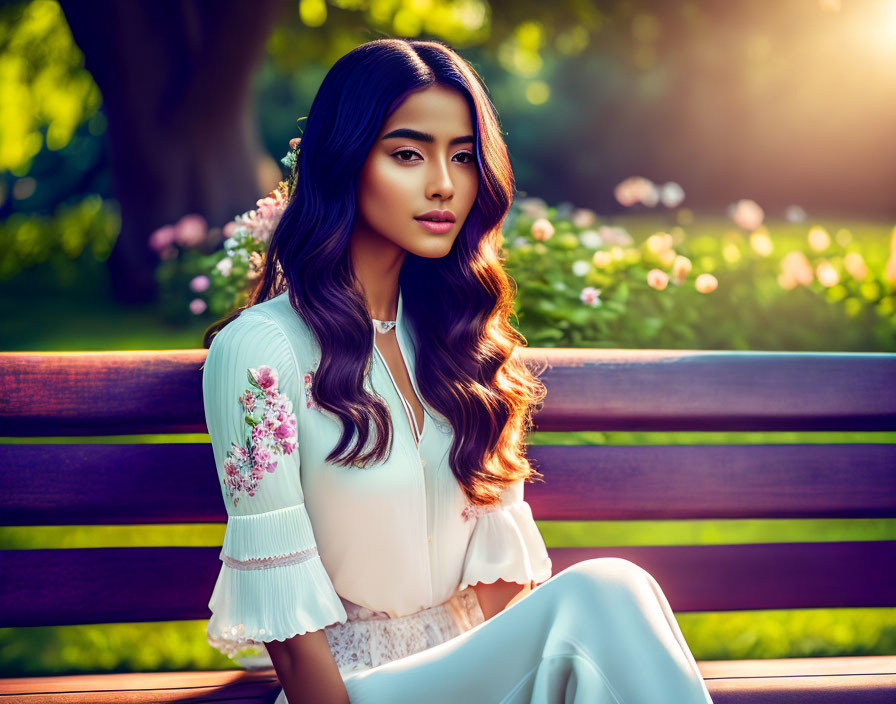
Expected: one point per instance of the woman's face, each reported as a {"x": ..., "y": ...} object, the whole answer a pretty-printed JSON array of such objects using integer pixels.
[{"x": 423, "y": 160}]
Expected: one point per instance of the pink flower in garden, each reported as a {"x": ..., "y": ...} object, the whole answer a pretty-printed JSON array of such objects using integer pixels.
[
  {"x": 162, "y": 238},
  {"x": 787, "y": 280},
  {"x": 583, "y": 217},
  {"x": 706, "y": 283},
  {"x": 614, "y": 235},
  {"x": 229, "y": 230},
  {"x": 856, "y": 266},
  {"x": 542, "y": 229},
  {"x": 819, "y": 239},
  {"x": 200, "y": 283},
  {"x": 747, "y": 214},
  {"x": 795, "y": 265},
  {"x": 827, "y": 274},
  {"x": 658, "y": 279},
  {"x": 198, "y": 306},
  {"x": 191, "y": 230},
  {"x": 681, "y": 267},
  {"x": 591, "y": 296},
  {"x": 636, "y": 189},
  {"x": 761, "y": 242}
]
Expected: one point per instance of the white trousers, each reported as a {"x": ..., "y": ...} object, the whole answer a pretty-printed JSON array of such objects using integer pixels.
[{"x": 599, "y": 632}]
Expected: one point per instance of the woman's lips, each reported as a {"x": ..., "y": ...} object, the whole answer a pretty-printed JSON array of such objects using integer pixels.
[{"x": 438, "y": 228}]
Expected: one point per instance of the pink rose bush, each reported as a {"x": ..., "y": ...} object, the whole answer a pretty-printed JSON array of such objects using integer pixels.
[{"x": 272, "y": 433}]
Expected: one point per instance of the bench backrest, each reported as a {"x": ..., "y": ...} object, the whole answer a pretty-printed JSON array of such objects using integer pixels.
[{"x": 123, "y": 393}]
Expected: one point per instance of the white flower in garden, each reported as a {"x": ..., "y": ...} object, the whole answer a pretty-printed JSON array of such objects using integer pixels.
[
  {"x": 747, "y": 214},
  {"x": 200, "y": 283},
  {"x": 794, "y": 213},
  {"x": 198, "y": 306},
  {"x": 225, "y": 266},
  {"x": 230, "y": 244},
  {"x": 542, "y": 229},
  {"x": 533, "y": 207},
  {"x": 583, "y": 217},
  {"x": 706, "y": 283},
  {"x": 856, "y": 266},
  {"x": 827, "y": 274},
  {"x": 671, "y": 194},
  {"x": 591, "y": 296},
  {"x": 520, "y": 242},
  {"x": 819, "y": 239},
  {"x": 590, "y": 239},
  {"x": 658, "y": 279},
  {"x": 761, "y": 242},
  {"x": 580, "y": 267},
  {"x": 602, "y": 259}
]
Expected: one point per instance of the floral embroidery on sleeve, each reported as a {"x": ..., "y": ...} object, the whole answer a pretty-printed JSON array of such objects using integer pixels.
[
  {"x": 272, "y": 433},
  {"x": 475, "y": 510}
]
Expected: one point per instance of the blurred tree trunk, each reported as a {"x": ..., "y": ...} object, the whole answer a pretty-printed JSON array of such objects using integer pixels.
[{"x": 176, "y": 78}]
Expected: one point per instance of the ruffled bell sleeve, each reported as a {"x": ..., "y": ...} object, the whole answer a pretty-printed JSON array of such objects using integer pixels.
[
  {"x": 506, "y": 543},
  {"x": 272, "y": 584}
]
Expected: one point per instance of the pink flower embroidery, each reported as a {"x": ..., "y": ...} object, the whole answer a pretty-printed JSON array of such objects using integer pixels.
[
  {"x": 474, "y": 510},
  {"x": 272, "y": 424},
  {"x": 309, "y": 397}
]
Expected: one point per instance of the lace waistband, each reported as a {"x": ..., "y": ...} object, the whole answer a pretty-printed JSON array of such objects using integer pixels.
[{"x": 371, "y": 638}]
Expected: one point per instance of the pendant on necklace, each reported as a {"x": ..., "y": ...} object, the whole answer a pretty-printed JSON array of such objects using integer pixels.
[{"x": 383, "y": 326}]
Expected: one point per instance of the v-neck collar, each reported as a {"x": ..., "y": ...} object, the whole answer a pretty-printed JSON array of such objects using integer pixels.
[{"x": 404, "y": 341}]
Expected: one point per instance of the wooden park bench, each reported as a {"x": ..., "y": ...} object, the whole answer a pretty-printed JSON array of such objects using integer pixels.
[{"x": 82, "y": 394}]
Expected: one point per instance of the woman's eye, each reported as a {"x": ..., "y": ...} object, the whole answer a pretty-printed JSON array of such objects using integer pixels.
[
  {"x": 405, "y": 151},
  {"x": 470, "y": 158}
]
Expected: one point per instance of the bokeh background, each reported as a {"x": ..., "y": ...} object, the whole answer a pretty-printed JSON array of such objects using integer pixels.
[{"x": 692, "y": 174}]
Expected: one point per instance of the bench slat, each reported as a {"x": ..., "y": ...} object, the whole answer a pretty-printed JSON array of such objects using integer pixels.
[
  {"x": 713, "y": 481},
  {"x": 582, "y": 483},
  {"x": 92, "y": 393},
  {"x": 593, "y": 389},
  {"x": 47, "y": 587},
  {"x": 862, "y": 679}
]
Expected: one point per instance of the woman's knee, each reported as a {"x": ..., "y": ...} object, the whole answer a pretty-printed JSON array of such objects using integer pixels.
[{"x": 592, "y": 576}]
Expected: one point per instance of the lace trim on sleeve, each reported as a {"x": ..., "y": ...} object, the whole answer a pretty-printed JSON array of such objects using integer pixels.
[{"x": 264, "y": 563}]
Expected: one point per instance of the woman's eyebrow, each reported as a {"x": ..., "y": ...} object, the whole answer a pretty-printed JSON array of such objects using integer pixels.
[{"x": 406, "y": 133}]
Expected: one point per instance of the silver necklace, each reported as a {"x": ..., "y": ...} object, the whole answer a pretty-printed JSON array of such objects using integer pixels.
[{"x": 383, "y": 326}]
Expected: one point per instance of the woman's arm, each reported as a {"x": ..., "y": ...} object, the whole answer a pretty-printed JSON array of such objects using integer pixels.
[
  {"x": 307, "y": 670},
  {"x": 495, "y": 597}
]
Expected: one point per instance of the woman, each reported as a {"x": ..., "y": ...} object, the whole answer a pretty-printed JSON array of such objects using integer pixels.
[{"x": 405, "y": 566}]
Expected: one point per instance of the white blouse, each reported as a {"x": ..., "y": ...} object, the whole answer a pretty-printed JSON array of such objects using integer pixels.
[{"x": 306, "y": 538}]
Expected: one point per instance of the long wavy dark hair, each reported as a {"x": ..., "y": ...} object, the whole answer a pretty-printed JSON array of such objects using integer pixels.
[{"x": 468, "y": 368}]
